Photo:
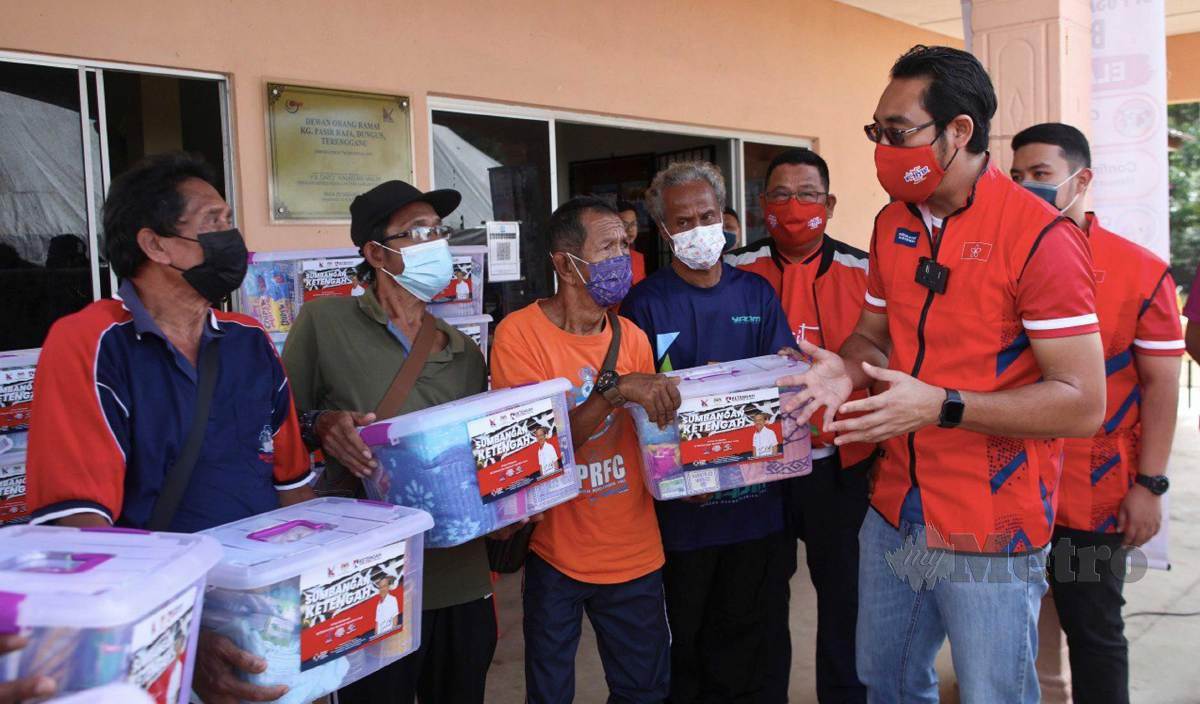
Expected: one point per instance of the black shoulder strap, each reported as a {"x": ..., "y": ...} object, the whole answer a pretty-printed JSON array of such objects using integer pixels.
[
  {"x": 614, "y": 347},
  {"x": 178, "y": 476}
]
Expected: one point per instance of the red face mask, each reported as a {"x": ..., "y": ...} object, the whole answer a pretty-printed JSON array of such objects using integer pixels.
[
  {"x": 794, "y": 224},
  {"x": 908, "y": 174}
]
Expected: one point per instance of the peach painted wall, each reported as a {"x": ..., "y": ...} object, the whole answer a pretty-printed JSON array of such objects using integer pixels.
[
  {"x": 1183, "y": 68},
  {"x": 812, "y": 68}
]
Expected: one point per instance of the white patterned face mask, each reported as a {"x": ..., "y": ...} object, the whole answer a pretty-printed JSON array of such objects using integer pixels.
[{"x": 700, "y": 247}]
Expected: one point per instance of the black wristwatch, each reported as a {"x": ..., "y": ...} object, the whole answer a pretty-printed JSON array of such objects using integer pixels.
[
  {"x": 952, "y": 410},
  {"x": 308, "y": 429},
  {"x": 1157, "y": 485},
  {"x": 606, "y": 386}
]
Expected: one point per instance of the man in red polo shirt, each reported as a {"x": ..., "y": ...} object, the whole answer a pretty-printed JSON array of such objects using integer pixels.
[
  {"x": 821, "y": 282},
  {"x": 980, "y": 321},
  {"x": 1109, "y": 495}
]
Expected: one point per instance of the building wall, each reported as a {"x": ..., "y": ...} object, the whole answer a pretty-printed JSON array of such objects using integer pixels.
[
  {"x": 1183, "y": 68},
  {"x": 812, "y": 69}
]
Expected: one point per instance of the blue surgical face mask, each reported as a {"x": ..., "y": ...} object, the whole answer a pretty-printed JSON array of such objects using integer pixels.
[
  {"x": 428, "y": 268},
  {"x": 1049, "y": 191}
]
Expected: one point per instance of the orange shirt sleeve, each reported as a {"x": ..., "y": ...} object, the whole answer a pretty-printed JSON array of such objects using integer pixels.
[{"x": 511, "y": 362}]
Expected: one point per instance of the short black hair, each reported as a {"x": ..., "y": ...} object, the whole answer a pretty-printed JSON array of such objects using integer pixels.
[
  {"x": 798, "y": 156},
  {"x": 623, "y": 205},
  {"x": 147, "y": 196},
  {"x": 958, "y": 85},
  {"x": 1070, "y": 140},
  {"x": 730, "y": 211},
  {"x": 565, "y": 229}
]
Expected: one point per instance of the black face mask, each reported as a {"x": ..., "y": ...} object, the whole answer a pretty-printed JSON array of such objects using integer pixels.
[{"x": 224, "y": 265}]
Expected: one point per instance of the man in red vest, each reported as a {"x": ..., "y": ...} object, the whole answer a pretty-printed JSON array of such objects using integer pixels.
[
  {"x": 980, "y": 321},
  {"x": 1110, "y": 493},
  {"x": 821, "y": 282}
]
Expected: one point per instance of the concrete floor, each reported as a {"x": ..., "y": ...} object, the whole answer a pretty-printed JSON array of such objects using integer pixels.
[{"x": 1163, "y": 655}]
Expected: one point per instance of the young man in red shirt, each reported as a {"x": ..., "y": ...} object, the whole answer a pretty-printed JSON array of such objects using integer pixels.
[
  {"x": 821, "y": 282},
  {"x": 1110, "y": 494},
  {"x": 980, "y": 321}
]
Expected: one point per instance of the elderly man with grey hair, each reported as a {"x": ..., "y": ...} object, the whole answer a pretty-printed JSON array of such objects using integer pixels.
[{"x": 725, "y": 553}]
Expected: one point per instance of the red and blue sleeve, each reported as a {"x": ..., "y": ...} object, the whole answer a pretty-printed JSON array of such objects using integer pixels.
[
  {"x": 1159, "y": 330},
  {"x": 293, "y": 464},
  {"x": 1056, "y": 291},
  {"x": 79, "y": 434}
]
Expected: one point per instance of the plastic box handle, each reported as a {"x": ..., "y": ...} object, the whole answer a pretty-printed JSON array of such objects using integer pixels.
[{"x": 289, "y": 532}]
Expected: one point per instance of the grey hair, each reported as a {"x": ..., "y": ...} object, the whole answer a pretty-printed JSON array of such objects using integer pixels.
[{"x": 678, "y": 174}]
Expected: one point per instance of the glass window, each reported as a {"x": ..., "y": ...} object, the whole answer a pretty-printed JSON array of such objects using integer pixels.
[
  {"x": 757, "y": 157},
  {"x": 501, "y": 165},
  {"x": 45, "y": 265}
]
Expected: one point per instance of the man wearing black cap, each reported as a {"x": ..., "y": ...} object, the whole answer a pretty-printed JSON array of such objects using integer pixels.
[{"x": 342, "y": 354}]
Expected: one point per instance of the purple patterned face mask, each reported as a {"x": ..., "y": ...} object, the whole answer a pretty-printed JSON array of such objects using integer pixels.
[{"x": 611, "y": 278}]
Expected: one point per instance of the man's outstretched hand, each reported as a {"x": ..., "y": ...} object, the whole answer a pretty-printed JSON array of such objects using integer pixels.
[{"x": 824, "y": 385}]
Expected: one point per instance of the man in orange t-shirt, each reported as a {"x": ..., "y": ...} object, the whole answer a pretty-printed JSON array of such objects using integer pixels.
[{"x": 600, "y": 552}]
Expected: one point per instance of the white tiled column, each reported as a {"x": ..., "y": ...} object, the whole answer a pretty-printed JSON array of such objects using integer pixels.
[{"x": 1039, "y": 54}]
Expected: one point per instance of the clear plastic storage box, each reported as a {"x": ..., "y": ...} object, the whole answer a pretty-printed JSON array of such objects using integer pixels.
[
  {"x": 479, "y": 463},
  {"x": 463, "y": 296},
  {"x": 104, "y": 605},
  {"x": 119, "y": 693},
  {"x": 729, "y": 431},
  {"x": 326, "y": 591},
  {"x": 278, "y": 283},
  {"x": 476, "y": 328}
]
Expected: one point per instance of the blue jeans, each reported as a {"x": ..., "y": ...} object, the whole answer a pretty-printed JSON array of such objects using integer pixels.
[{"x": 986, "y": 604}]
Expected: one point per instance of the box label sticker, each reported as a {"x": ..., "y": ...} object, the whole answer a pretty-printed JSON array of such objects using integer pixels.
[
  {"x": 12, "y": 494},
  {"x": 350, "y": 604},
  {"x": 726, "y": 428},
  {"x": 672, "y": 488},
  {"x": 331, "y": 277},
  {"x": 159, "y": 649},
  {"x": 16, "y": 397},
  {"x": 461, "y": 287},
  {"x": 515, "y": 448},
  {"x": 702, "y": 481}
]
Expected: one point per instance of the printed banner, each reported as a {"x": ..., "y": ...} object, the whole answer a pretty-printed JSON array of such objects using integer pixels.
[
  {"x": 473, "y": 331},
  {"x": 734, "y": 427},
  {"x": 1129, "y": 121},
  {"x": 460, "y": 288},
  {"x": 515, "y": 448},
  {"x": 16, "y": 397},
  {"x": 159, "y": 646},
  {"x": 350, "y": 604},
  {"x": 331, "y": 277},
  {"x": 13, "y": 508}
]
